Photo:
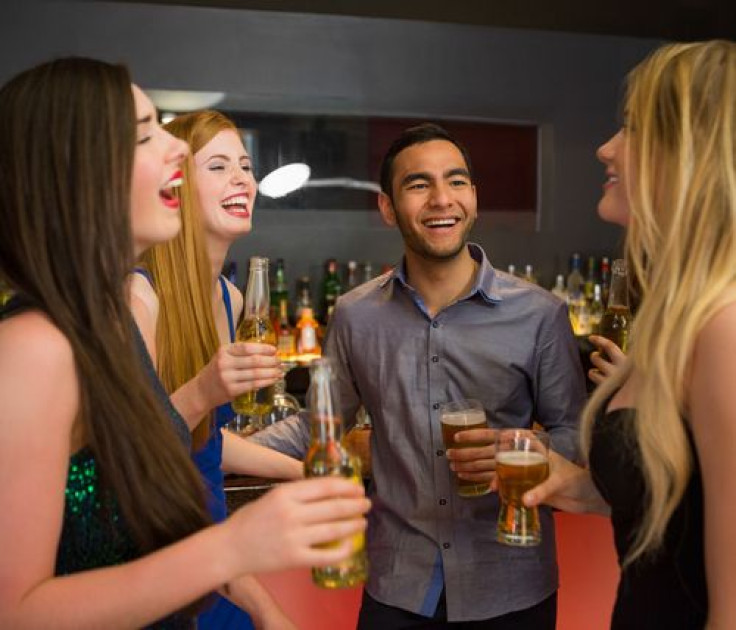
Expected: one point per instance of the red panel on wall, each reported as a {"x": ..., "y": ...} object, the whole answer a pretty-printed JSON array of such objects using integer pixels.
[{"x": 504, "y": 158}]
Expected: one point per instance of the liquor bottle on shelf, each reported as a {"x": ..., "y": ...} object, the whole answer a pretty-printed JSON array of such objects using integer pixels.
[
  {"x": 256, "y": 327},
  {"x": 616, "y": 320},
  {"x": 529, "y": 274},
  {"x": 307, "y": 337},
  {"x": 591, "y": 279},
  {"x": 605, "y": 278},
  {"x": 575, "y": 278},
  {"x": 597, "y": 308},
  {"x": 279, "y": 291},
  {"x": 367, "y": 271},
  {"x": 559, "y": 289},
  {"x": 303, "y": 297},
  {"x": 512, "y": 270},
  {"x": 328, "y": 456},
  {"x": 352, "y": 278},
  {"x": 285, "y": 342},
  {"x": 331, "y": 289},
  {"x": 576, "y": 303}
]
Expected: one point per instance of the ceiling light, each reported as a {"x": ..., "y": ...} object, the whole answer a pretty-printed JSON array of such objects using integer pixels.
[{"x": 284, "y": 180}]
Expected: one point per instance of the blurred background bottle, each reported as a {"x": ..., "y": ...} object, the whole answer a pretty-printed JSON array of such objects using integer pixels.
[
  {"x": 331, "y": 289},
  {"x": 285, "y": 340},
  {"x": 577, "y": 305},
  {"x": 352, "y": 281},
  {"x": 529, "y": 275},
  {"x": 597, "y": 309},
  {"x": 256, "y": 327},
  {"x": 560, "y": 290},
  {"x": 591, "y": 278},
  {"x": 303, "y": 297},
  {"x": 616, "y": 321},
  {"x": 367, "y": 271},
  {"x": 575, "y": 278},
  {"x": 307, "y": 333},
  {"x": 279, "y": 291},
  {"x": 605, "y": 278},
  {"x": 328, "y": 456}
]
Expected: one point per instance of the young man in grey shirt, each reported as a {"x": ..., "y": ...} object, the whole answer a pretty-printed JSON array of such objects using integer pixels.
[{"x": 444, "y": 325}]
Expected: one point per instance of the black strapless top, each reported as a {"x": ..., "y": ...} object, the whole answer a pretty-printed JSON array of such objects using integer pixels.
[{"x": 665, "y": 589}]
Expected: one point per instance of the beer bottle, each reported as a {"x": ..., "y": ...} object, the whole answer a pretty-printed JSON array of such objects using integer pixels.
[
  {"x": 256, "y": 327},
  {"x": 328, "y": 456},
  {"x": 616, "y": 319}
]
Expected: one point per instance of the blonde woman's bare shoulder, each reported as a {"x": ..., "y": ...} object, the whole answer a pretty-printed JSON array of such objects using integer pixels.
[{"x": 713, "y": 367}]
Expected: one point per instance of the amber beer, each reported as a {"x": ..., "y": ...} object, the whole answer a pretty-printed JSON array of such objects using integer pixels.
[
  {"x": 463, "y": 416},
  {"x": 518, "y": 472},
  {"x": 521, "y": 464}
]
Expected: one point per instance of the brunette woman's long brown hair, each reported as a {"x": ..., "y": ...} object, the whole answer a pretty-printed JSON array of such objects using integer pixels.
[{"x": 67, "y": 142}]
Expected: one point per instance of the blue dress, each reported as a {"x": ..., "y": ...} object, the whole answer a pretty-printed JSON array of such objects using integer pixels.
[{"x": 222, "y": 614}]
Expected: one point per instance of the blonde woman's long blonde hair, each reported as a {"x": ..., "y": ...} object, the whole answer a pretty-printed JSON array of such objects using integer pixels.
[
  {"x": 186, "y": 334},
  {"x": 680, "y": 109}
]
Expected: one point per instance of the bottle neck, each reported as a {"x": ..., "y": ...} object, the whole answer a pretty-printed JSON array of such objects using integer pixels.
[
  {"x": 257, "y": 295},
  {"x": 325, "y": 417},
  {"x": 618, "y": 295}
]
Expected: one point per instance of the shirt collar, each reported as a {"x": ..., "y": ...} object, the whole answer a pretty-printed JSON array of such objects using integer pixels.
[{"x": 484, "y": 281}]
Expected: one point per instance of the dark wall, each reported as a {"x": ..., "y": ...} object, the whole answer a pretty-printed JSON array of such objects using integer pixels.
[{"x": 279, "y": 62}]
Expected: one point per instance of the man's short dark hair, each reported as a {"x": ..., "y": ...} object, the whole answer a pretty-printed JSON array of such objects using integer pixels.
[{"x": 409, "y": 137}]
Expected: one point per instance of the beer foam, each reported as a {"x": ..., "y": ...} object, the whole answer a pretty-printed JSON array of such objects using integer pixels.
[
  {"x": 520, "y": 458},
  {"x": 463, "y": 418}
]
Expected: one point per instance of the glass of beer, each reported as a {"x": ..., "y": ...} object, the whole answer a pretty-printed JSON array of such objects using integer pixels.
[
  {"x": 462, "y": 415},
  {"x": 522, "y": 462}
]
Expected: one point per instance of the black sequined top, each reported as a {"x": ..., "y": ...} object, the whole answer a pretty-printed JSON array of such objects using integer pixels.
[{"x": 94, "y": 533}]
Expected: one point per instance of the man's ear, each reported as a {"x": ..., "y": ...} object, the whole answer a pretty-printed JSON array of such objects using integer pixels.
[{"x": 386, "y": 207}]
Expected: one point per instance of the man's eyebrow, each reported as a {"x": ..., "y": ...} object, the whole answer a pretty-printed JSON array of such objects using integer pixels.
[
  {"x": 412, "y": 177},
  {"x": 458, "y": 171}
]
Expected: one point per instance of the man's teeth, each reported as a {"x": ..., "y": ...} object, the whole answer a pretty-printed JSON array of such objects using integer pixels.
[{"x": 440, "y": 222}]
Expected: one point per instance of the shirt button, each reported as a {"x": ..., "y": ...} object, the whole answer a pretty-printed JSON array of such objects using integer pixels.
[
  {"x": 435, "y": 358},
  {"x": 436, "y": 406},
  {"x": 445, "y": 545},
  {"x": 440, "y": 453},
  {"x": 443, "y": 501},
  {"x": 435, "y": 324}
]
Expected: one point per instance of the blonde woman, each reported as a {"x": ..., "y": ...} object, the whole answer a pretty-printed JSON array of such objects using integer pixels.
[
  {"x": 661, "y": 432},
  {"x": 188, "y": 312}
]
